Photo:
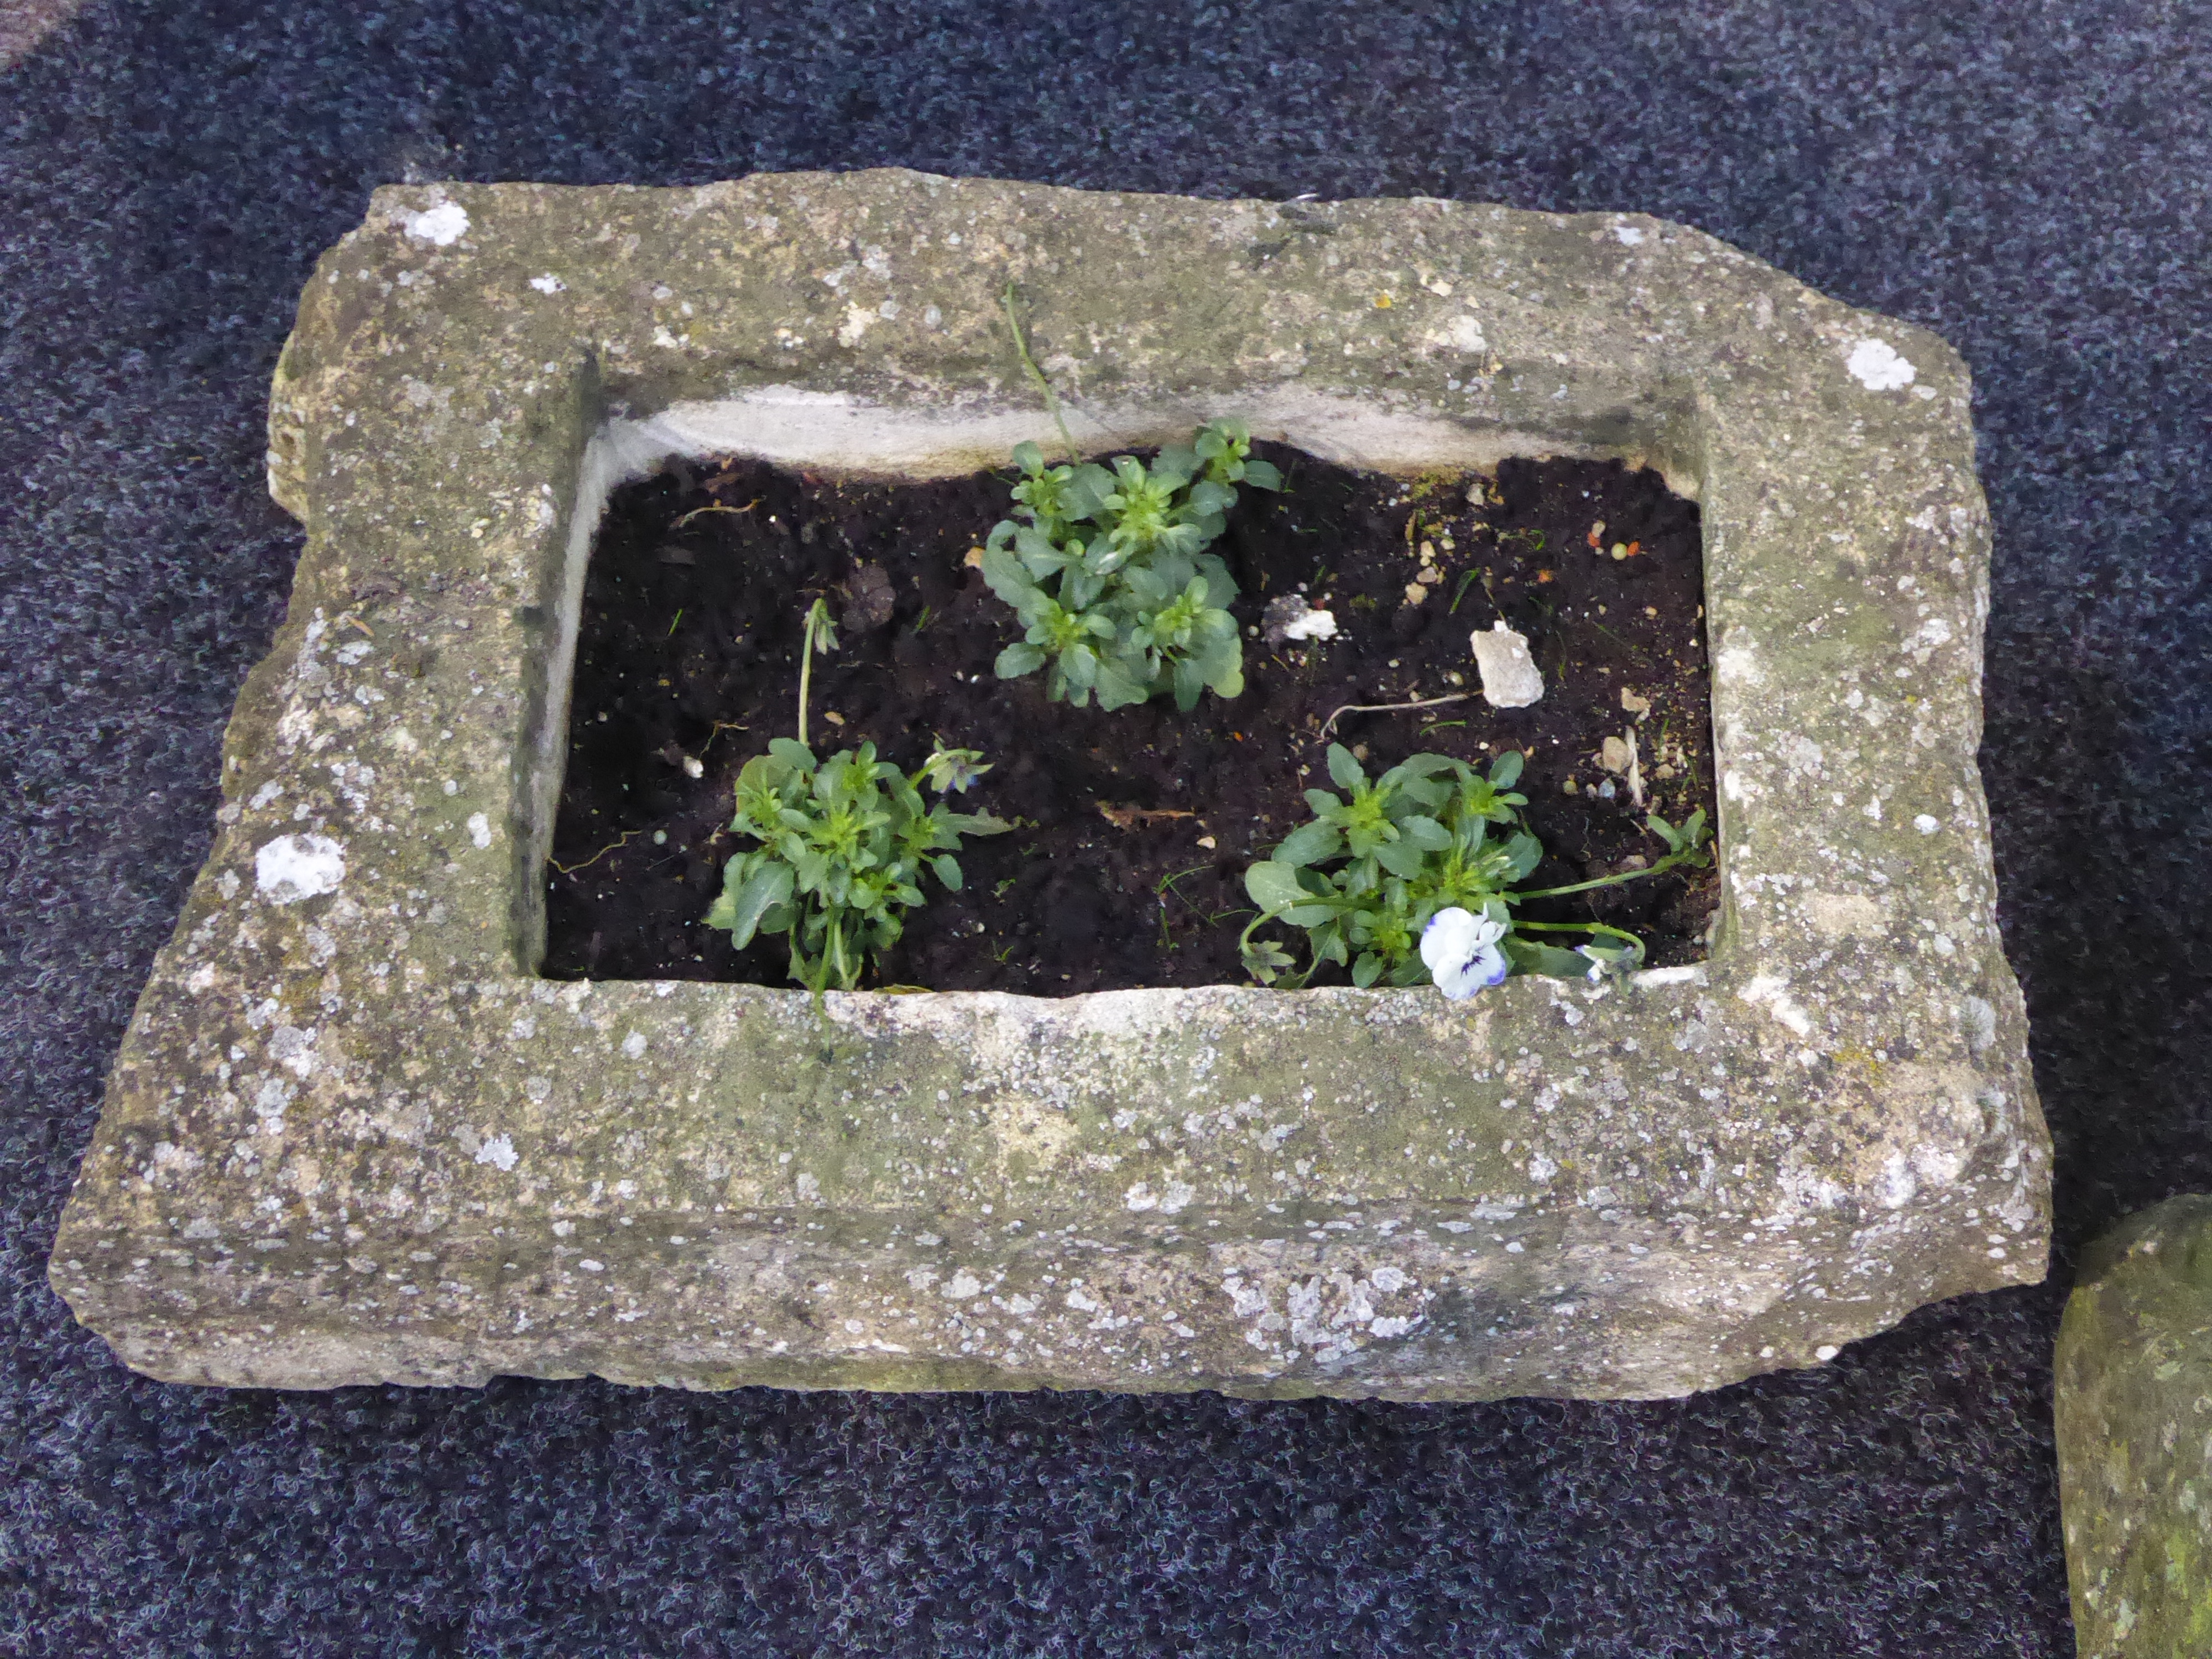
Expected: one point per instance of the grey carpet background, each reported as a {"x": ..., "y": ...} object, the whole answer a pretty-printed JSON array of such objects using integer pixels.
[{"x": 2026, "y": 177}]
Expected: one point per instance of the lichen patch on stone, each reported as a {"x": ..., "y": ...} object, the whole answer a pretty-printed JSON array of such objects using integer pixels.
[{"x": 291, "y": 868}]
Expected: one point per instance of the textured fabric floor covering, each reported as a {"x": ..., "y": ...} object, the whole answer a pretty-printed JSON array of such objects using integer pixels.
[{"x": 2022, "y": 177}]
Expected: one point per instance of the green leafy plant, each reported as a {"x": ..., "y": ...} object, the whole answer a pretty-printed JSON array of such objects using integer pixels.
[
  {"x": 843, "y": 843},
  {"x": 1106, "y": 570},
  {"x": 1379, "y": 863}
]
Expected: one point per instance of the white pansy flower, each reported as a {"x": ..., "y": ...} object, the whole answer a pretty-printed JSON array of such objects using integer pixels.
[{"x": 1460, "y": 949}]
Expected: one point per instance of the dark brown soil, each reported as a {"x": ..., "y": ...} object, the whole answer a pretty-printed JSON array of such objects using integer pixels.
[{"x": 690, "y": 648}]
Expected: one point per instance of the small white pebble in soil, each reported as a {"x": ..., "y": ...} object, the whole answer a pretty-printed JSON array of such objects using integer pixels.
[
  {"x": 1511, "y": 678},
  {"x": 1288, "y": 617},
  {"x": 661, "y": 838},
  {"x": 693, "y": 769}
]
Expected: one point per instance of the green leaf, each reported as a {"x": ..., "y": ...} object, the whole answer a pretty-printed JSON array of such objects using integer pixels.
[
  {"x": 1189, "y": 681},
  {"x": 768, "y": 886},
  {"x": 1529, "y": 957},
  {"x": 1029, "y": 457},
  {"x": 1505, "y": 770},
  {"x": 793, "y": 753},
  {"x": 1272, "y": 885},
  {"x": 1400, "y": 858},
  {"x": 1523, "y": 852},
  {"x": 1343, "y": 770},
  {"x": 1008, "y": 577},
  {"x": 1424, "y": 833},
  {"x": 1264, "y": 959},
  {"x": 1016, "y": 660},
  {"x": 1309, "y": 843},
  {"x": 1262, "y": 475},
  {"x": 1117, "y": 687},
  {"x": 948, "y": 872},
  {"x": 1367, "y": 970}
]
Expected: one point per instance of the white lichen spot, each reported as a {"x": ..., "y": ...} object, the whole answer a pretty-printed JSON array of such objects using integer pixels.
[
  {"x": 1876, "y": 365},
  {"x": 962, "y": 1285},
  {"x": 1462, "y": 333},
  {"x": 1901, "y": 1184},
  {"x": 1925, "y": 825},
  {"x": 294, "y": 1050},
  {"x": 1771, "y": 992},
  {"x": 1389, "y": 1280},
  {"x": 1740, "y": 665},
  {"x": 1081, "y": 1303},
  {"x": 480, "y": 829},
  {"x": 498, "y": 1152},
  {"x": 549, "y": 283},
  {"x": 1628, "y": 235},
  {"x": 294, "y": 867},
  {"x": 809, "y": 1188},
  {"x": 1393, "y": 1326},
  {"x": 1932, "y": 633},
  {"x": 592, "y": 1267},
  {"x": 921, "y": 1278},
  {"x": 441, "y": 226},
  {"x": 1542, "y": 1169},
  {"x": 859, "y": 320},
  {"x": 634, "y": 1045}
]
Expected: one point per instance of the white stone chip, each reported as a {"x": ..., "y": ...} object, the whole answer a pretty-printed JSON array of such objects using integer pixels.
[
  {"x": 441, "y": 226},
  {"x": 498, "y": 1152},
  {"x": 1511, "y": 678},
  {"x": 1876, "y": 365},
  {"x": 294, "y": 867}
]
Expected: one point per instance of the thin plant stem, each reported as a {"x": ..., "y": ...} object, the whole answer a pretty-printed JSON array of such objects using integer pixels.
[
  {"x": 1660, "y": 868},
  {"x": 1577, "y": 927},
  {"x": 1387, "y": 708},
  {"x": 1021, "y": 347},
  {"x": 818, "y": 614}
]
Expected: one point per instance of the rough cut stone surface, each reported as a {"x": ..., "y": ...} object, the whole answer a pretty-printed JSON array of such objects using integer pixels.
[
  {"x": 351, "y": 1137},
  {"x": 2135, "y": 1436}
]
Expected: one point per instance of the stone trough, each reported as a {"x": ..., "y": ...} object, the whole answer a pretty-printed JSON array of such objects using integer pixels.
[{"x": 353, "y": 1137}]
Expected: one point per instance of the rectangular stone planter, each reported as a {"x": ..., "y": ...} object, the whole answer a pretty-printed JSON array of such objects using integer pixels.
[{"x": 352, "y": 1137}]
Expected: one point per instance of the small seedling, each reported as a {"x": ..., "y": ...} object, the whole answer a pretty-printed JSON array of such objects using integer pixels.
[
  {"x": 843, "y": 843},
  {"x": 1429, "y": 838},
  {"x": 1106, "y": 570}
]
